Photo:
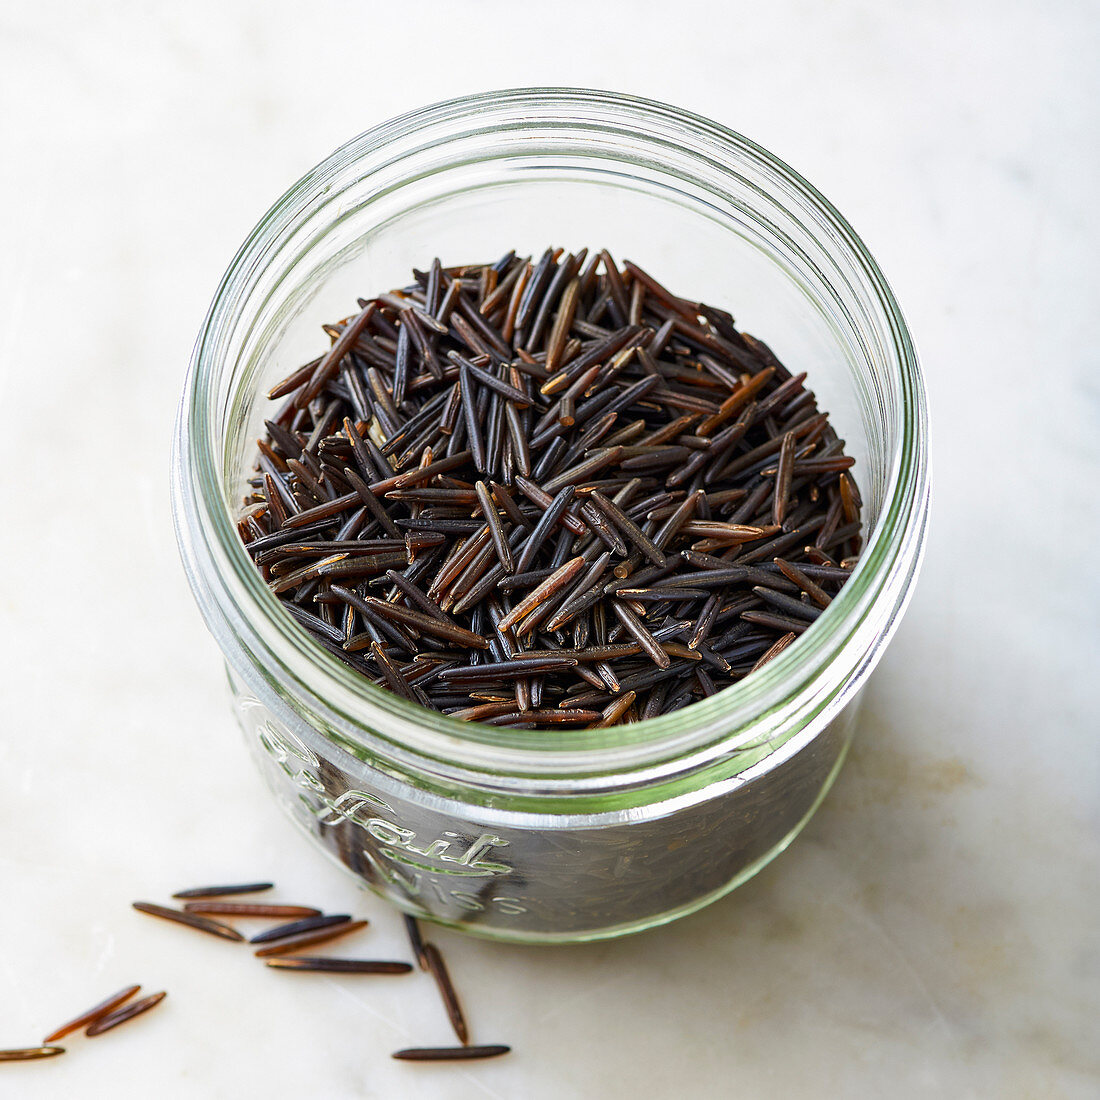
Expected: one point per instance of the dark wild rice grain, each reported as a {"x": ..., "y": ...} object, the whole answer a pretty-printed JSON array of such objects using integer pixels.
[
  {"x": 247, "y": 909},
  {"x": 33, "y": 1054},
  {"x": 292, "y": 944},
  {"x": 106, "y": 1023},
  {"x": 450, "y": 1054},
  {"x": 221, "y": 891},
  {"x": 104, "y": 1008},
  {"x": 438, "y": 970},
  {"x": 327, "y": 965},
  {"x": 192, "y": 920},
  {"x": 308, "y": 924}
]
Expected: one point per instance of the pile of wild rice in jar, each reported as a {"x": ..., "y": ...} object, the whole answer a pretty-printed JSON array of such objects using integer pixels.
[{"x": 551, "y": 493}]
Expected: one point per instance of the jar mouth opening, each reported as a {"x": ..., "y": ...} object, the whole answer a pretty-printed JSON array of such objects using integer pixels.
[{"x": 347, "y": 707}]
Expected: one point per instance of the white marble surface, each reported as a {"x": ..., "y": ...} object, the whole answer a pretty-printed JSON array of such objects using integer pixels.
[{"x": 933, "y": 933}]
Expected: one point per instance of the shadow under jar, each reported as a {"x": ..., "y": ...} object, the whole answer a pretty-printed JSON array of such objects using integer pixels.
[{"x": 563, "y": 835}]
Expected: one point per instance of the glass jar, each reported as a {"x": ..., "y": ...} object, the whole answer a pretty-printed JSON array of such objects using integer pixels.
[{"x": 563, "y": 835}]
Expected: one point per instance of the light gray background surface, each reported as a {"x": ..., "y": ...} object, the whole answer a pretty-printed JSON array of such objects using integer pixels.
[{"x": 933, "y": 933}]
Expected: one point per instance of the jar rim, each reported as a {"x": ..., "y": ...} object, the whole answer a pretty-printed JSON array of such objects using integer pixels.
[{"x": 348, "y": 706}]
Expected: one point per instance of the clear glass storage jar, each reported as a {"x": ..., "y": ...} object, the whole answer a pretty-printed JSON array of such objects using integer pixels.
[{"x": 564, "y": 835}]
